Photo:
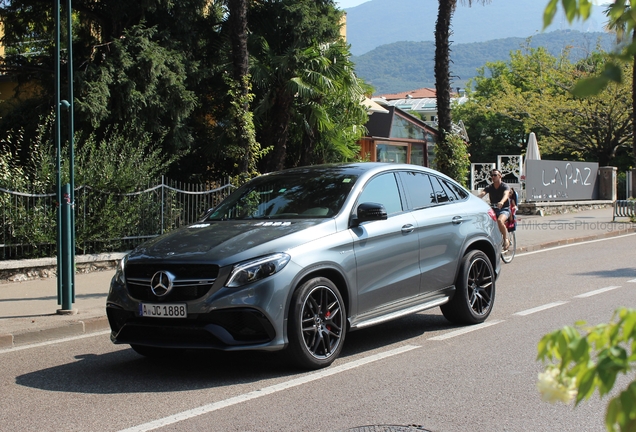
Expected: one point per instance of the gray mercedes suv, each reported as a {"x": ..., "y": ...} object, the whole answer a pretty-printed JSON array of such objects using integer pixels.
[{"x": 296, "y": 259}]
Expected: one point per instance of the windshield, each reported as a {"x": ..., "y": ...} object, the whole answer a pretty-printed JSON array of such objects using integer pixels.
[{"x": 287, "y": 196}]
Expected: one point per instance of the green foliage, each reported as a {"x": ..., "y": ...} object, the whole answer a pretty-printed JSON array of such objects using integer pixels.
[
  {"x": 590, "y": 359},
  {"x": 140, "y": 86},
  {"x": 530, "y": 93},
  {"x": 622, "y": 20},
  {"x": 156, "y": 68},
  {"x": 452, "y": 158},
  {"x": 240, "y": 113},
  {"x": 306, "y": 90},
  {"x": 113, "y": 163}
]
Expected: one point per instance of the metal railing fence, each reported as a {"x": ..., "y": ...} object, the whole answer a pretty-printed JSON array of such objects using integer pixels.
[{"x": 104, "y": 221}]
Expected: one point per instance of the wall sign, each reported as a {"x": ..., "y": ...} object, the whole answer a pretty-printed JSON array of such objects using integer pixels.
[{"x": 561, "y": 180}]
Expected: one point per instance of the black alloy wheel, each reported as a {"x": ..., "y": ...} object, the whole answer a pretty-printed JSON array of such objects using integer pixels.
[
  {"x": 317, "y": 324},
  {"x": 474, "y": 290}
]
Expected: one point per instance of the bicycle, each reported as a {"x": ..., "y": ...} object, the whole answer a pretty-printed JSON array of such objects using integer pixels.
[{"x": 507, "y": 255}]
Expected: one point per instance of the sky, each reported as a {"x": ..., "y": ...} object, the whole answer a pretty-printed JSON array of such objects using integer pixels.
[{"x": 343, "y": 4}]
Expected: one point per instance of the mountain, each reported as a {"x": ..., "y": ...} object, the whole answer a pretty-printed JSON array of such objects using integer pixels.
[
  {"x": 381, "y": 22},
  {"x": 403, "y": 66}
]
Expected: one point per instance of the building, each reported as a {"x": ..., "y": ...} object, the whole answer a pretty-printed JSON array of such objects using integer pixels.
[
  {"x": 423, "y": 101},
  {"x": 396, "y": 136}
]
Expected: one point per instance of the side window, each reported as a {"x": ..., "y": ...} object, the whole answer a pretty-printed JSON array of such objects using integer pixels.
[
  {"x": 383, "y": 190},
  {"x": 440, "y": 193},
  {"x": 419, "y": 189},
  {"x": 458, "y": 190}
]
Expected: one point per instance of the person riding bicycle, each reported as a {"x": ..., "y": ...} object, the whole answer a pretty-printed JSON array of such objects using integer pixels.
[{"x": 499, "y": 194}]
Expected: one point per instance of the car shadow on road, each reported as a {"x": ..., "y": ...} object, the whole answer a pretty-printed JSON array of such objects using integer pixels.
[
  {"x": 124, "y": 371},
  {"x": 618, "y": 273}
]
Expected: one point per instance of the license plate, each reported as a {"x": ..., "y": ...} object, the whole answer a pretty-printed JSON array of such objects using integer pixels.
[{"x": 166, "y": 310}]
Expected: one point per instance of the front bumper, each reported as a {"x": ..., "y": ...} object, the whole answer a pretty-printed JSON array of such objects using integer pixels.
[
  {"x": 225, "y": 329},
  {"x": 229, "y": 319}
]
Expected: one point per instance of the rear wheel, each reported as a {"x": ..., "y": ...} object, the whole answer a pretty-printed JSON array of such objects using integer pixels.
[
  {"x": 509, "y": 254},
  {"x": 474, "y": 290},
  {"x": 317, "y": 324}
]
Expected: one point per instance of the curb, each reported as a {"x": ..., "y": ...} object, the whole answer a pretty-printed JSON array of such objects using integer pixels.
[
  {"x": 67, "y": 329},
  {"x": 574, "y": 240}
]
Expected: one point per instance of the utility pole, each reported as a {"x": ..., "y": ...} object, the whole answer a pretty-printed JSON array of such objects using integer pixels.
[{"x": 66, "y": 193}]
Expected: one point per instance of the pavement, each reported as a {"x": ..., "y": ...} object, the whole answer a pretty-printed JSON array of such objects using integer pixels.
[{"x": 29, "y": 309}]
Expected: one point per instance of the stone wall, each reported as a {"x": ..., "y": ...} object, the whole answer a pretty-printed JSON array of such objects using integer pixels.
[
  {"x": 560, "y": 207},
  {"x": 22, "y": 270}
]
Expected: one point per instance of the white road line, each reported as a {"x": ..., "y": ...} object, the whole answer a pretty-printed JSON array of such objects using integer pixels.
[
  {"x": 572, "y": 244},
  {"x": 595, "y": 292},
  {"x": 540, "y": 308},
  {"x": 465, "y": 330},
  {"x": 205, "y": 409},
  {"x": 53, "y": 342}
]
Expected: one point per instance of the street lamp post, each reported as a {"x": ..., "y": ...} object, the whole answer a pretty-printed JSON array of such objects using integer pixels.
[{"x": 66, "y": 193}]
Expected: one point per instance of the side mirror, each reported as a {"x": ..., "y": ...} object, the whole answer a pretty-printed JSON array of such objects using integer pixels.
[{"x": 369, "y": 211}]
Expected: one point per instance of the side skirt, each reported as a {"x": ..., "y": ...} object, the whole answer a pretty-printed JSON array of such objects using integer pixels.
[{"x": 402, "y": 308}]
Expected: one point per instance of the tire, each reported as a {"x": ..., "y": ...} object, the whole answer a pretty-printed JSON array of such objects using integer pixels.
[
  {"x": 474, "y": 290},
  {"x": 317, "y": 324},
  {"x": 156, "y": 352},
  {"x": 508, "y": 255}
]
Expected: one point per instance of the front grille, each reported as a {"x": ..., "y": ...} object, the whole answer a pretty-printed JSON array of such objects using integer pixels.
[{"x": 191, "y": 281}]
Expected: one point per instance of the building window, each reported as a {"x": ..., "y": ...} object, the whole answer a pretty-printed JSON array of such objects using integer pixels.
[
  {"x": 417, "y": 154},
  {"x": 402, "y": 128},
  {"x": 395, "y": 153}
]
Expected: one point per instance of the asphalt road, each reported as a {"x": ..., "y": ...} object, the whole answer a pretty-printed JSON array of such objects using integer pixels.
[{"x": 419, "y": 370}]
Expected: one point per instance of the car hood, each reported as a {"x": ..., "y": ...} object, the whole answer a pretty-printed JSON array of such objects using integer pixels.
[{"x": 226, "y": 242}]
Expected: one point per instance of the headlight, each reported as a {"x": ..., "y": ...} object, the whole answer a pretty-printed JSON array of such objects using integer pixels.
[
  {"x": 255, "y": 270},
  {"x": 120, "y": 277}
]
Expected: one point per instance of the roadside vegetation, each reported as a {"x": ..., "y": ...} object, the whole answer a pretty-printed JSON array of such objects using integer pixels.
[
  {"x": 175, "y": 73},
  {"x": 531, "y": 93}
]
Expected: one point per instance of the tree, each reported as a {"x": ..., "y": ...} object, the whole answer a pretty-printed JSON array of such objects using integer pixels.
[
  {"x": 623, "y": 21},
  {"x": 243, "y": 119},
  {"x": 192, "y": 73},
  {"x": 530, "y": 93},
  {"x": 619, "y": 24},
  {"x": 131, "y": 70},
  {"x": 300, "y": 63},
  {"x": 442, "y": 82}
]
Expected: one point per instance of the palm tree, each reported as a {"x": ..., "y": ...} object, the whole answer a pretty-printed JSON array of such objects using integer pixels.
[
  {"x": 298, "y": 62},
  {"x": 619, "y": 25},
  {"x": 299, "y": 88},
  {"x": 442, "y": 72},
  {"x": 244, "y": 125}
]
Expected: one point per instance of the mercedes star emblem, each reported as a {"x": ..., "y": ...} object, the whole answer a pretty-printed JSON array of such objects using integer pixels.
[{"x": 161, "y": 283}]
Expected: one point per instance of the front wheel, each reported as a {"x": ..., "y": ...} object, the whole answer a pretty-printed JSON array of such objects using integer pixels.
[
  {"x": 317, "y": 324},
  {"x": 509, "y": 254},
  {"x": 474, "y": 290}
]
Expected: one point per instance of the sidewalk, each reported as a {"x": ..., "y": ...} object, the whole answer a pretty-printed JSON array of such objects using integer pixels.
[{"x": 28, "y": 309}]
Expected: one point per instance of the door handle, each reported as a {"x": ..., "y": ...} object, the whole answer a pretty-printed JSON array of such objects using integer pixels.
[
  {"x": 408, "y": 228},
  {"x": 457, "y": 220}
]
